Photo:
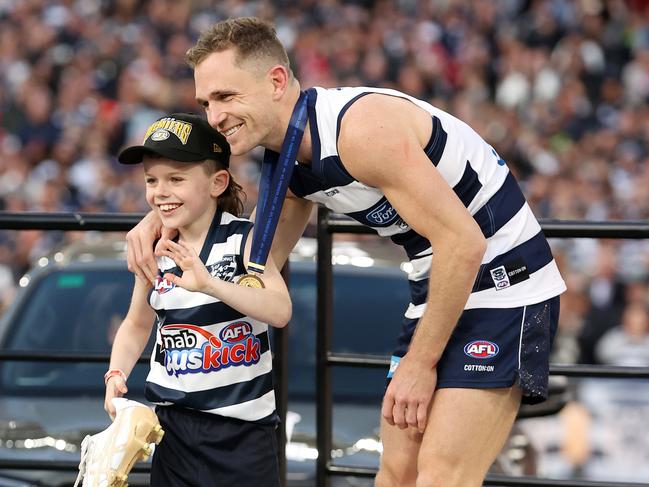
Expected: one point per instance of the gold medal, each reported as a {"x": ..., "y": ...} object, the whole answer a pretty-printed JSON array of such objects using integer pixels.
[{"x": 251, "y": 280}]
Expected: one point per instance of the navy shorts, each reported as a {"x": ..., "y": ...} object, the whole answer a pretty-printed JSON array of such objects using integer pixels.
[
  {"x": 494, "y": 348},
  {"x": 205, "y": 450}
]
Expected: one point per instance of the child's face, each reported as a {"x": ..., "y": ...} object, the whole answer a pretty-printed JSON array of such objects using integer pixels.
[{"x": 181, "y": 193}]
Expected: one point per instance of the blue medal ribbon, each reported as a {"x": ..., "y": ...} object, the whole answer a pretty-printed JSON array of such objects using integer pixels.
[{"x": 276, "y": 171}]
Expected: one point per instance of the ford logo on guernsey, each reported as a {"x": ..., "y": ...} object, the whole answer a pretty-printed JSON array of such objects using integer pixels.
[
  {"x": 383, "y": 215},
  {"x": 481, "y": 349}
]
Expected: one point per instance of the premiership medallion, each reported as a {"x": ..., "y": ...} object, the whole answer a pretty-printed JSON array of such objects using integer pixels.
[{"x": 251, "y": 280}]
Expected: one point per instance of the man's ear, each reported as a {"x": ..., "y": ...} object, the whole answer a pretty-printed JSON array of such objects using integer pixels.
[
  {"x": 280, "y": 79},
  {"x": 220, "y": 181}
]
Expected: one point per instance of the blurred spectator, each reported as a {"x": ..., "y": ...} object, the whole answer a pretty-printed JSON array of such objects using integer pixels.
[
  {"x": 627, "y": 343},
  {"x": 572, "y": 319},
  {"x": 619, "y": 407},
  {"x": 606, "y": 296}
]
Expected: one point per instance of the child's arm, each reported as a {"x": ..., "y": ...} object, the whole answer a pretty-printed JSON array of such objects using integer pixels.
[
  {"x": 130, "y": 340},
  {"x": 271, "y": 305}
]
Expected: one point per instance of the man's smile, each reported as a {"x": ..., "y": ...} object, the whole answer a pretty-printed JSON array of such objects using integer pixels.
[{"x": 232, "y": 130}]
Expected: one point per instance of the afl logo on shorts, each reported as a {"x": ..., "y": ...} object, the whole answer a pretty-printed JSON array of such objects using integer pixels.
[{"x": 481, "y": 349}]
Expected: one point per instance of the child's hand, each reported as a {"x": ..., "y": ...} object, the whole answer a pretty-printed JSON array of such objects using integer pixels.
[
  {"x": 115, "y": 387},
  {"x": 195, "y": 276}
]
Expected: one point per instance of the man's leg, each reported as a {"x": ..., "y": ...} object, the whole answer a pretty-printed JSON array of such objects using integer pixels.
[
  {"x": 399, "y": 458},
  {"x": 466, "y": 430}
]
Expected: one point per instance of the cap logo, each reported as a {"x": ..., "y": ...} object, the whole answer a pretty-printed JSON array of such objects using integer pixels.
[
  {"x": 160, "y": 134},
  {"x": 216, "y": 148},
  {"x": 170, "y": 125}
]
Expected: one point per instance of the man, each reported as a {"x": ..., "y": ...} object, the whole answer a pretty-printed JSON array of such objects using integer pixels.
[{"x": 484, "y": 311}]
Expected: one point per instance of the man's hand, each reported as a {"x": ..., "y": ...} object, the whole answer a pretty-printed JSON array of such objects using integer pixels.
[
  {"x": 409, "y": 394},
  {"x": 140, "y": 240},
  {"x": 195, "y": 276}
]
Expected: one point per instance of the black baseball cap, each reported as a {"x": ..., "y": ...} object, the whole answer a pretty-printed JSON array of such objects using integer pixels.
[{"x": 183, "y": 137}]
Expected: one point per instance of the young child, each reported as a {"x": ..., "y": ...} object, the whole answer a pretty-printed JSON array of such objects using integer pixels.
[{"x": 210, "y": 376}]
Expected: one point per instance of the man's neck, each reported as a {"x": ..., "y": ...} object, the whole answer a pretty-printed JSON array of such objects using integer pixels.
[{"x": 304, "y": 152}]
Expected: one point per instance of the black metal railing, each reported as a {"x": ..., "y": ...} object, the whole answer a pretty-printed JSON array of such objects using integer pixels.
[
  {"x": 328, "y": 224},
  {"x": 104, "y": 222}
]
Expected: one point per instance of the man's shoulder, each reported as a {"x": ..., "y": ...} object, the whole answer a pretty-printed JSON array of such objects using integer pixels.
[{"x": 341, "y": 95}]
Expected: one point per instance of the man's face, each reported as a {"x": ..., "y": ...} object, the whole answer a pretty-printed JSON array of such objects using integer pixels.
[{"x": 236, "y": 99}]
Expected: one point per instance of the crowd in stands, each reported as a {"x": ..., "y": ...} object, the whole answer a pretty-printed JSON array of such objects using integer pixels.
[{"x": 558, "y": 87}]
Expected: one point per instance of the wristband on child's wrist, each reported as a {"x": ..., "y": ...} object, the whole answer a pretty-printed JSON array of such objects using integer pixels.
[{"x": 114, "y": 372}]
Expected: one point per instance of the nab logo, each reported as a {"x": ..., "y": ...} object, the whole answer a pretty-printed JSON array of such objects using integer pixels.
[
  {"x": 481, "y": 349},
  {"x": 236, "y": 332},
  {"x": 162, "y": 285}
]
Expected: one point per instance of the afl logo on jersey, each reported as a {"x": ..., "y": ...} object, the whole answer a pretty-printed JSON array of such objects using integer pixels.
[
  {"x": 236, "y": 332},
  {"x": 481, "y": 349},
  {"x": 162, "y": 285}
]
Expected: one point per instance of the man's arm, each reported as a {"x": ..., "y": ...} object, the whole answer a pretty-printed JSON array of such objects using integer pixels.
[
  {"x": 386, "y": 153},
  {"x": 139, "y": 246}
]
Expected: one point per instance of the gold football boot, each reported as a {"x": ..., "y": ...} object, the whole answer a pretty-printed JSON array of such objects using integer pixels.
[{"x": 108, "y": 456}]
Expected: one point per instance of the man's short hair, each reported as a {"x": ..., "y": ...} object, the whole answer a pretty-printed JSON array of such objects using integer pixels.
[{"x": 252, "y": 38}]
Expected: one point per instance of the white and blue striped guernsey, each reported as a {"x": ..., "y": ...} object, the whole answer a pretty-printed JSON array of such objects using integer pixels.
[
  {"x": 517, "y": 268},
  {"x": 208, "y": 356}
]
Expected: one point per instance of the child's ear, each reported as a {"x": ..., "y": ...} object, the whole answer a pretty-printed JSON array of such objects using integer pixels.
[{"x": 220, "y": 181}]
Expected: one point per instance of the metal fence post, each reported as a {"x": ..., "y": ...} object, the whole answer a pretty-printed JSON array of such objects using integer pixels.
[
  {"x": 324, "y": 307},
  {"x": 280, "y": 368}
]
